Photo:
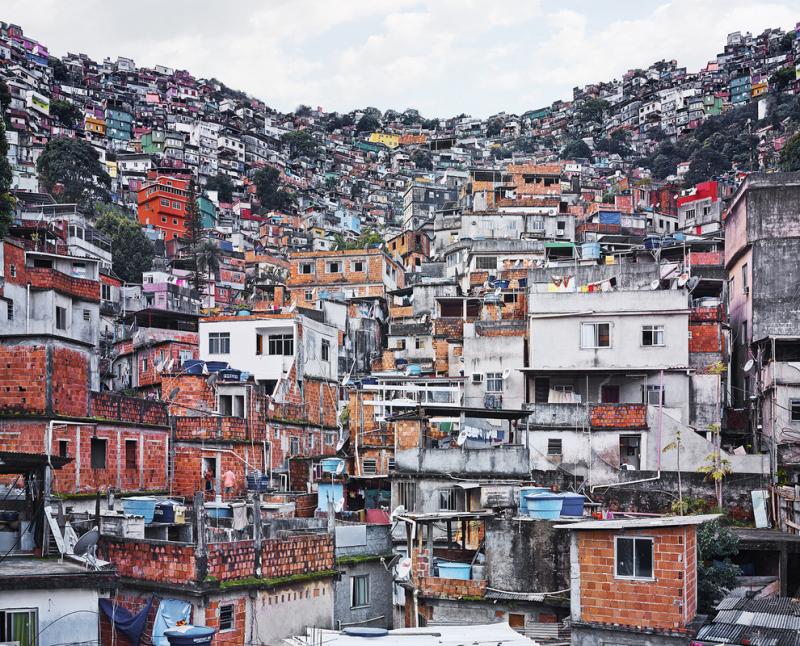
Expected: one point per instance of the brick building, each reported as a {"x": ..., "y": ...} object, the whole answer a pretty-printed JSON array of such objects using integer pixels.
[
  {"x": 634, "y": 581},
  {"x": 162, "y": 203}
]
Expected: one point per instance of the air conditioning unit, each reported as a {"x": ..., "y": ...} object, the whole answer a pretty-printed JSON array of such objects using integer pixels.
[
  {"x": 477, "y": 378},
  {"x": 560, "y": 232}
]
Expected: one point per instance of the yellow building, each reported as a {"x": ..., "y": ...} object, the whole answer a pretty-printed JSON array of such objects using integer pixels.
[
  {"x": 96, "y": 125},
  {"x": 390, "y": 141},
  {"x": 759, "y": 89}
]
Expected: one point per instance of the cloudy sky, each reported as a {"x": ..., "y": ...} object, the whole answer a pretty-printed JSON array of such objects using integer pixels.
[{"x": 442, "y": 57}]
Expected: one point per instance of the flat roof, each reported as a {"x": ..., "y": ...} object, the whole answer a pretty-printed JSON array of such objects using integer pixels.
[
  {"x": 452, "y": 411},
  {"x": 636, "y": 523}
]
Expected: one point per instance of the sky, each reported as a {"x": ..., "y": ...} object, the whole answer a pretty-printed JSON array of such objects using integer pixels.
[{"x": 442, "y": 57}]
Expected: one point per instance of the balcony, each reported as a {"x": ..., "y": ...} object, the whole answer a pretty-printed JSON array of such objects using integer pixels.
[
  {"x": 562, "y": 415},
  {"x": 46, "y": 278},
  {"x": 502, "y": 460},
  {"x": 618, "y": 416}
]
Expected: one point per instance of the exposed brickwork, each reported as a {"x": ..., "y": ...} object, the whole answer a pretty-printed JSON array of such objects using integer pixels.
[
  {"x": 210, "y": 427},
  {"x": 150, "y": 560},
  {"x": 128, "y": 409},
  {"x": 432, "y": 586},
  {"x": 23, "y": 370},
  {"x": 236, "y": 635},
  {"x": 449, "y": 327},
  {"x": 667, "y": 602},
  {"x": 70, "y": 382},
  {"x": 187, "y": 475},
  {"x": 706, "y": 337},
  {"x": 81, "y": 288},
  {"x": 618, "y": 415},
  {"x": 407, "y": 433}
]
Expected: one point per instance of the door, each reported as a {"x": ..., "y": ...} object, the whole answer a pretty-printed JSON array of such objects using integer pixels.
[
  {"x": 541, "y": 390},
  {"x": 630, "y": 452},
  {"x": 609, "y": 394},
  {"x": 516, "y": 621}
]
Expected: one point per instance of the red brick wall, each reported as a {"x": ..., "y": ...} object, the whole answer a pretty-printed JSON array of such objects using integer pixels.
[
  {"x": 706, "y": 337},
  {"x": 235, "y": 636},
  {"x": 70, "y": 382},
  {"x": 81, "y": 288},
  {"x": 133, "y": 602},
  {"x": 297, "y": 555},
  {"x": 153, "y": 561},
  {"x": 618, "y": 415},
  {"x": 668, "y": 602},
  {"x": 187, "y": 469},
  {"x": 129, "y": 409},
  {"x": 23, "y": 370},
  {"x": 210, "y": 428},
  {"x": 321, "y": 398}
]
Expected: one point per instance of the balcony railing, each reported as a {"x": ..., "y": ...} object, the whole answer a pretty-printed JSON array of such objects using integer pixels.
[{"x": 46, "y": 278}]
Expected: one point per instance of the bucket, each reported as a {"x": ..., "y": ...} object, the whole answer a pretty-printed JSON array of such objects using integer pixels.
[
  {"x": 524, "y": 491},
  {"x": 165, "y": 512},
  {"x": 140, "y": 506},
  {"x": 572, "y": 504},
  {"x": 544, "y": 506},
  {"x": 455, "y": 570}
]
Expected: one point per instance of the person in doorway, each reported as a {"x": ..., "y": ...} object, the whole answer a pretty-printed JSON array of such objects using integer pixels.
[
  {"x": 229, "y": 482},
  {"x": 208, "y": 476}
]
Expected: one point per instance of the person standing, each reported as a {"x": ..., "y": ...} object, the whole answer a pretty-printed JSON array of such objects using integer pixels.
[{"x": 229, "y": 482}]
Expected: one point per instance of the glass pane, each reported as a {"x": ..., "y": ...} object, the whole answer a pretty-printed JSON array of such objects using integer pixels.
[
  {"x": 624, "y": 557},
  {"x": 587, "y": 335},
  {"x": 644, "y": 557},
  {"x": 603, "y": 334}
]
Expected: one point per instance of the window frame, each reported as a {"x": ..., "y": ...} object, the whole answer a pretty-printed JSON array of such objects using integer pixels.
[
  {"x": 481, "y": 260},
  {"x": 306, "y": 265},
  {"x": 655, "y": 331},
  {"x": 219, "y": 343},
  {"x": 357, "y": 266},
  {"x": 634, "y": 577},
  {"x": 354, "y": 587},
  {"x": 325, "y": 350},
  {"x": 369, "y": 465},
  {"x": 33, "y": 613},
  {"x": 654, "y": 388},
  {"x": 61, "y": 314},
  {"x": 231, "y": 620},
  {"x": 333, "y": 263},
  {"x": 794, "y": 402},
  {"x": 280, "y": 345},
  {"x": 132, "y": 464},
  {"x": 552, "y": 442},
  {"x": 596, "y": 335},
  {"x": 494, "y": 378},
  {"x": 92, "y": 443}
]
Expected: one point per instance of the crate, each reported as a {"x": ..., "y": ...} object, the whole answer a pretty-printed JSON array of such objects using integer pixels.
[{"x": 122, "y": 526}]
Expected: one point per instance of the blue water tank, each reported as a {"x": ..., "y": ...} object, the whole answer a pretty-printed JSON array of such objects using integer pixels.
[
  {"x": 523, "y": 492},
  {"x": 572, "y": 504},
  {"x": 590, "y": 250},
  {"x": 544, "y": 506}
]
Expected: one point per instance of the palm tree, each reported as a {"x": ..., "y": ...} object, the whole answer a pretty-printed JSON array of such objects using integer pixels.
[{"x": 208, "y": 258}]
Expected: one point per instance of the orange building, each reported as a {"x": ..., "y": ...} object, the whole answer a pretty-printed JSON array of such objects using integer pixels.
[{"x": 162, "y": 204}]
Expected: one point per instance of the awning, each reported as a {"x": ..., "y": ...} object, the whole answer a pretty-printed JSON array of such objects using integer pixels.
[{"x": 468, "y": 485}]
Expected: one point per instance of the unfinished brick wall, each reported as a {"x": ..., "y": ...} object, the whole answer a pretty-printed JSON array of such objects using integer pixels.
[
  {"x": 706, "y": 337},
  {"x": 81, "y": 288},
  {"x": 667, "y": 602},
  {"x": 128, "y": 409},
  {"x": 236, "y": 635},
  {"x": 210, "y": 427},
  {"x": 187, "y": 471},
  {"x": 407, "y": 433},
  {"x": 321, "y": 398},
  {"x": 297, "y": 555},
  {"x": 134, "y": 602},
  {"x": 23, "y": 378},
  {"x": 70, "y": 381},
  {"x": 150, "y": 560},
  {"x": 618, "y": 416}
]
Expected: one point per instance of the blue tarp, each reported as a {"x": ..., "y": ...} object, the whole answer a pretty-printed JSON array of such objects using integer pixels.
[
  {"x": 170, "y": 612},
  {"x": 130, "y": 625},
  {"x": 610, "y": 217}
]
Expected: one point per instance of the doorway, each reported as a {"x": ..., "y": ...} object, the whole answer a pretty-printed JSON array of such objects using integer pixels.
[{"x": 630, "y": 456}]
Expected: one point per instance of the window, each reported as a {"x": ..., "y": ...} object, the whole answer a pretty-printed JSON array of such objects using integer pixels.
[
  {"x": 494, "y": 382},
  {"x": 486, "y": 262},
  {"x": 326, "y": 350},
  {"x": 650, "y": 395},
  {"x": 185, "y": 355},
  {"x": 10, "y": 310},
  {"x": 357, "y": 266},
  {"x": 359, "y": 587},
  {"x": 63, "y": 448},
  {"x": 144, "y": 365},
  {"x": 634, "y": 558},
  {"x": 281, "y": 344},
  {"x": 595, "y": 335},
  {"x": 407, "y": 495},
  {"x": 306, "y": 268},
  {"x": 12, "y": 269},
  {"x": 448, "y": 499},
  {"x": 164, "y": 202},
  {"x": 794, "y": 405},
  {"x": 418, "y": 343},
  {"x": 226, "y": 617},
  {"x": 61, "y": 318},
  {"x": 329, "y": 438},
  {"x": 390, "y": 464},
  {"x": 105, "y": 292},
  {"x": 690, "y": 213},
  {"x": 19, "y": 626},
  {"x": 554, "y": 446},
  {"x": 744, "y": 333},
  {"x": 176, "y": 205},
  {"x": 309, "y": 295},
  {"x": 98, "y": 451},
  {"x": 87, "y": 315},
  {"x": 174, "y": 220},
  {"x": 652, "y": 335},
  {"x": 745, "y": 280},
  {"x": 163, "y": 219},
  {"x": 334, "y": 267},
  {"x": 369, "y": 465},
  {"x": 219, "y": 343},
  {"x": 294, "y": 446},
  {"x": 130, "y": 454}
]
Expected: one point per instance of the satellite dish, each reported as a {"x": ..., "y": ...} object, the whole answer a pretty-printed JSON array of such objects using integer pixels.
[
  {"x": 655, "y": 284},
  {"x": 339, "y": 468},
  {"x": 338, "y": 505},
  {"x": 749, "y": 365},
  {"x": 462, "y": 437},
  {"x": 694, "y": 281},
  {"x": 173, "y": 393},
  {"x": 87, "y": 547},
  {"x": 506, "y": 373},
  {"x": 397, "y": 511},
  {"x": 403, "y": 569},
  {"x": 683, "y": 279}
]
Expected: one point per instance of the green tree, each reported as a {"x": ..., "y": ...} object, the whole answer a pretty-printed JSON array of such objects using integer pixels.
[
  {"x": 705, "y": 164},
  {"x": 5, "y": 96},
  {"x": 67, "y": 113},
  {"x": 716, "y": 573},
  {"x": 494, "y": 127},
  {"x": 338, "y": 121},
  {"x": 430, "y": 124},
  {"x": 207, "y": 260},
  {"x": 781, "y": 79},
  {"x": 300, "y": 142},
  {"x": 194, "y": 233},
  {"x": 790, "y": 153},
  {"x": 369, "y": 238},
  {"x": 303, "y": 110},
  {"x": 60, "y": 71},
  {"x": 6, "y": 179},
  {"x": 223, "y": 185},
  {"x": 526, "y": 144},
  {"x": 592, "y": 110},
  {"x": 132, "y": 252},
  {"x": 577, "y": 148},
  {"x": 422, "y": 159},
  {"x": 716, "y": 468},
  {"x": 70, "y": 169},
  {"x": 269, "y": 191},
  {"x": 368, "y": 123}
]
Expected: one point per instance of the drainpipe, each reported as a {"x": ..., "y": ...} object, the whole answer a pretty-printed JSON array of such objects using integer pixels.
[
  {"x": 27, "y": 308},
  {"x": 608, "y": 485},
  {"x": 416, "y": 608}
]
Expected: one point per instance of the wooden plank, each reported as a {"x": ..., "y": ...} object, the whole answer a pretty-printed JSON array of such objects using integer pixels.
[{"x": 54, "y": 529}]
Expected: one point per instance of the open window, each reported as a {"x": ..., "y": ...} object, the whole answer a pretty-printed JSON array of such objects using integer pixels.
[{"x": 595, "y": 335}]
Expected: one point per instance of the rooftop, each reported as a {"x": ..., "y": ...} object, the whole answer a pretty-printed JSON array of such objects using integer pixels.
[{"x": 636, "y": 523}]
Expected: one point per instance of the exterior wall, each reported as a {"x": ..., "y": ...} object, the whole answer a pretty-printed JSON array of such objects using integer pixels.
[
  {"x": 555, "y": 341},
  {"x": 63, "y": 614},
  {"x": 667, "y": 602},
  {"x": 501, "y": 460},
  {"x": 378, "y": 612},
  {"x": 484, "y": 354},
  {"x": 290, "y": 610}
]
